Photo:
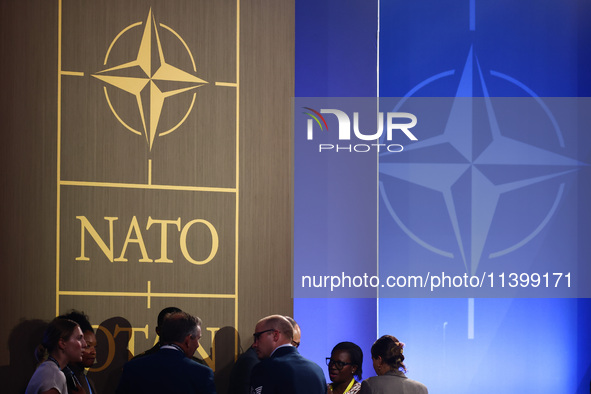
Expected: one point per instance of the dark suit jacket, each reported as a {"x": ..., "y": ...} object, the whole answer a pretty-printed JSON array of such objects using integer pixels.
[
  {"x": 287, "y": 372},
  {"x": 156, "y": 347},
  {"x": 166, "y": 371},
  {"x": 240, "y": 374}
]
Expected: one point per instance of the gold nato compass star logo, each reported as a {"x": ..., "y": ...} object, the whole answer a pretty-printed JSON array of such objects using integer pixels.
[{"x": 150, "y": 79}]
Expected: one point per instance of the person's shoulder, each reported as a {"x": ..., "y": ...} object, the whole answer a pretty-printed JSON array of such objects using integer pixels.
[
  {"x": 267, "y": 366},
  {"x": 264, "y": 363},
  {"x": 136, "y": 364},
  {"x": 150, "y": 358},
  {"x": 197, "y": 373},
  {"x": 49, "y": 368},
  {"x": 148, "y": 352},
  {"x": 371, "y": 381},
  {"x": 46, "y": 366},
  {"x": 291, "y": 354},
  {"x": 420, "y": 387},
  {"x": 166, "y": 357},
  {"x": 307, "y": 361},
  {"x": 196, "y": 366},
  {"x": 49, "y": 371},
  {"x": 285, "y": 350},
  {"x": 280, "y": 355},
  {"x": 313, "y": 365}
]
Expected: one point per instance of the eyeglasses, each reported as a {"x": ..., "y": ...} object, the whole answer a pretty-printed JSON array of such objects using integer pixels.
[
  {"x": 295, "y": 343},
  {"x": 338, "y": 364},
  {"x": 257, "y": 335}
]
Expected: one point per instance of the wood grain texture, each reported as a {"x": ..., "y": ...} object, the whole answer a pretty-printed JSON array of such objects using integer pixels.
[
  {"x": 96, "y": 148},
  {"x": 267, "y": 86}
]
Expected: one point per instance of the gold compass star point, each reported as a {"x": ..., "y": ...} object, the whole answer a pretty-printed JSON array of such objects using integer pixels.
[{"x": 150, "y": 43}]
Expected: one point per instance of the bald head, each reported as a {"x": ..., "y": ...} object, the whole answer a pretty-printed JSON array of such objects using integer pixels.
[{"x": 270, "y": 333}]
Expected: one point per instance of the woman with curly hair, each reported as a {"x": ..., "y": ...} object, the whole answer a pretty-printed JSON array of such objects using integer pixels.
[
  {"x": 344, "y": 364},
  {"x": 387, "y": 357}
]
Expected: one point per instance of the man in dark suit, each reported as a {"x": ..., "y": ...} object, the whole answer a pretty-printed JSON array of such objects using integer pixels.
[
  {"x": 163, "y": 313},
  {"x": 240, "y": 374},
  {"x": 170, "y": 369},
  {"x": 282, "y": 369},
  {"x": 161, "y": 316}
]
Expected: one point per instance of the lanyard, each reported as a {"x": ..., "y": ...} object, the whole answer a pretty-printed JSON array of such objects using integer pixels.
[
  {"x": 173, "y": 346},
  {"x": 69, "y": 373},
  {"x": 348, "y": 387},
  {"x": 88, "y": 383}
]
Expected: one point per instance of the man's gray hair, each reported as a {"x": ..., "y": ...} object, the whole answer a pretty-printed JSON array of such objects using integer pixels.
[{"x": 176, "y": 326}]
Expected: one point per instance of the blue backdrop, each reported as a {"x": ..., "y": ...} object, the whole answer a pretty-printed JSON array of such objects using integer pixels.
[
  {"x": 336, "y": 56},
  {"x": 466, "y": 48}
]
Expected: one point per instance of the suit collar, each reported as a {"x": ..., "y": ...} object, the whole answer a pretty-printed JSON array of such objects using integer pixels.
[
  {"x": 283, "y": 350},
  {"x": 170, "y": 351},
  {"x": 400, "y": 374}
]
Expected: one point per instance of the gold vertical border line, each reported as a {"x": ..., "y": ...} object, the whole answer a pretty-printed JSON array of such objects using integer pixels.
[
  {"x": 59, "y": 151},
  {"x": 150, "y": 172},
  {"x": 236, "y": 336}
]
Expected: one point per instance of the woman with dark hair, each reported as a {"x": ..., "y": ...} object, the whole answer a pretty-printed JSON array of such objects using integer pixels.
[
  {"x": 344, "y": 364},
  {"x": 76, "y": 373},
  {"x": 63, "y": 343},
  {"x": 387, "y": 357}
]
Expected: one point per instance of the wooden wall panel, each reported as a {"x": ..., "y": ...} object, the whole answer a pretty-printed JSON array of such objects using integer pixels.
[
  {"x": 196, "y": 195},
  {"x": 267, "y": 86},
  {"x": 28, "y": 61}
]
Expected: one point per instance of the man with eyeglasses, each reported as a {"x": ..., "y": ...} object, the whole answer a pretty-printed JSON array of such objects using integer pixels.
[
  {"x": 282, "y": 369},
  {"x": 240, "y": 374}
]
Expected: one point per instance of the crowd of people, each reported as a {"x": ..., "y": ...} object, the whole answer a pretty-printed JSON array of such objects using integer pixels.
[{"x": 271, "y": 365}]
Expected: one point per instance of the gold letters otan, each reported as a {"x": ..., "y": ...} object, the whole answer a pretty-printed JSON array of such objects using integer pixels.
[{"x": 147, "y": 174}]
